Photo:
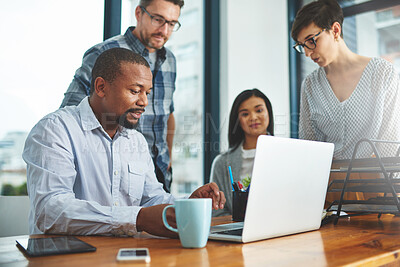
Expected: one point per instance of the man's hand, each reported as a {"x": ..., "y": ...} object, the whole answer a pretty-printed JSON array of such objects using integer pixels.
[
  {"x": 150, "y": 220},
  {"x": 211, "y": 190}
]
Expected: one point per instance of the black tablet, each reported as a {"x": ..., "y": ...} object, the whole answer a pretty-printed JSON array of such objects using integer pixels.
[{"x": 53, "y": 246}]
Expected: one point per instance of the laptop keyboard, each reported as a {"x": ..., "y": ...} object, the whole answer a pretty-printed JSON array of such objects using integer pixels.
[{"x": 237, "y": 232}]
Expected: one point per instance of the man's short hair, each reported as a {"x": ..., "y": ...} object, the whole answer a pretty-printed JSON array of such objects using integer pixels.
[
  {"x": 323, "y": 13},
  {"x": 146, "y": 3},
  {"x": 108, "y": 64}
]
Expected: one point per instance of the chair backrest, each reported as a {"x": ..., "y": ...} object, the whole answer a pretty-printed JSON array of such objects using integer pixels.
[{"x": 14, "y": 212}]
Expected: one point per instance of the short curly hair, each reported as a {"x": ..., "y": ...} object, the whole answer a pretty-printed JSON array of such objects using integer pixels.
[{"x": 108, "y": 64}]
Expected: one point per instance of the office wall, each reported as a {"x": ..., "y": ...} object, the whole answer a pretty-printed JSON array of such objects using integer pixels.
[{"x": 254, "y": 54}]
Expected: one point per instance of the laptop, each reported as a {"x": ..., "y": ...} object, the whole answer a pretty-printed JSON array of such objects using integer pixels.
[{"x": 287, "y": 194}]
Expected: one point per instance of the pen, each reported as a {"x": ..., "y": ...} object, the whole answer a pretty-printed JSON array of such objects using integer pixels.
[
  {"x": 240, "y": 185},
  {"x": 231, "y": 177},
  {"x": 235, "y": 187},
  {"x": 248, "y": 188}
]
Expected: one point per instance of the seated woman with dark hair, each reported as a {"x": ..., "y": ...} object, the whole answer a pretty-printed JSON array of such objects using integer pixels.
[{"x": 251, "y": 116}]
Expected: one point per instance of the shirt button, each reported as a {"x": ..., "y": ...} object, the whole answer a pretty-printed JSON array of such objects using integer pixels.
[{"x": 115, "y": 172}]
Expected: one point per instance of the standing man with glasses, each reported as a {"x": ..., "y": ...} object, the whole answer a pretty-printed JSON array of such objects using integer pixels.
[{"x": 156, "y": 20}]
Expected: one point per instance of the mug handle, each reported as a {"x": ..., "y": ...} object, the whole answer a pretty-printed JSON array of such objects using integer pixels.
[{"x": 164, "y": 218}]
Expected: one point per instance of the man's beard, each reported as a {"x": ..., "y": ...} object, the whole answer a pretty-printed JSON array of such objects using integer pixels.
[
  {"x": 149, "y": 43},
  {"x": 123, "y": 121}
]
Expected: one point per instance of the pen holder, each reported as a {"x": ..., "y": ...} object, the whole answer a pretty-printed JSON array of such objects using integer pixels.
[{"x": 239, "y": 204}]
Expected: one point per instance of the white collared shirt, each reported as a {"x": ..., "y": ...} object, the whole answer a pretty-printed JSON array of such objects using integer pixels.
[{"x": 82, "y": 182}]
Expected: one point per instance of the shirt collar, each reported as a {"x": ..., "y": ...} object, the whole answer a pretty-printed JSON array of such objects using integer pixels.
[
  {"x": 125, "y": 132},
  {"x": 137, "y": 45},
  {"x": 89, "y": 120}
]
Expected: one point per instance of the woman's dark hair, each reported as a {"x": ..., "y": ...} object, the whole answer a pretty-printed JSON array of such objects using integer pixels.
[
  {"x": 235, "y": 132},
  {"x": 323, "y": 13}
]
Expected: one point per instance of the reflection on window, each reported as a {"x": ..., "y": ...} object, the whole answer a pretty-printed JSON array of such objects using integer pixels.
[
  {"x": 13, "y": 168},
  {"x": 128, "y": 14},
  {"x": 187, "y": 152},
  {"x": 388, "y": 15},
  {"x": 188, "y": 129},
  {"x": 346, "y": 3},
  {"x": 388, "y": 28},
  {"x": 187, "y": 51},
  {"x": 36, "y": 67},
  {"x": 190, "y": 17}
]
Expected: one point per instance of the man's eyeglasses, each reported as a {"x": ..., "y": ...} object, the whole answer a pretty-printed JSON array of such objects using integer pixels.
[
  {"x": 309, "y": 43},
  {"x": 159, "y": 21}
]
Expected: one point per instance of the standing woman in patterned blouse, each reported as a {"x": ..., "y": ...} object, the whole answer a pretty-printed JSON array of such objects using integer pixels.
[{"x": 349, "y": 97}]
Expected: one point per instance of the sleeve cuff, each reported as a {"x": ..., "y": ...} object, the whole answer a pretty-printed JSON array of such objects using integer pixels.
[{"x": 124, "y": 220}]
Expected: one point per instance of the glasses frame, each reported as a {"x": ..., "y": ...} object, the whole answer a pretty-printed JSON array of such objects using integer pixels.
[
  {"x": 299, "y": 47},
  {"x": 176, "y": 27}
]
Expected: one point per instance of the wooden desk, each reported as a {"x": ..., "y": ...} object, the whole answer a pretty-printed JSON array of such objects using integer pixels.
[{"x": 361, "y": 240}]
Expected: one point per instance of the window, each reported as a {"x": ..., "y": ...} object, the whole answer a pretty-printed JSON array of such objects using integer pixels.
[
  {"x": 43, "y": 46},
  {"x": 187, "y": 153}
]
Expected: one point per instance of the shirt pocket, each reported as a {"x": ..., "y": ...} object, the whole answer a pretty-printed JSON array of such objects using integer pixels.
[{"x": 137, "y": 174}]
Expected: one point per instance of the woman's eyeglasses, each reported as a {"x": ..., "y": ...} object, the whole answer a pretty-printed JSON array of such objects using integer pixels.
[{"x": 309, "y": 43}]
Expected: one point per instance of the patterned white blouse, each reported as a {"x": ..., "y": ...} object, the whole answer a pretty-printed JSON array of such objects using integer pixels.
[{"x": 372, "y": 111}]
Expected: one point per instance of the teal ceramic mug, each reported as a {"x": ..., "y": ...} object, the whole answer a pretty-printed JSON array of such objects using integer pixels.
[{"x": 193, "y": 219}]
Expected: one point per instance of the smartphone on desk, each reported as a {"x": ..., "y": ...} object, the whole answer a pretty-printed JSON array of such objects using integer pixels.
[{"x": 133, "y": 255}]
